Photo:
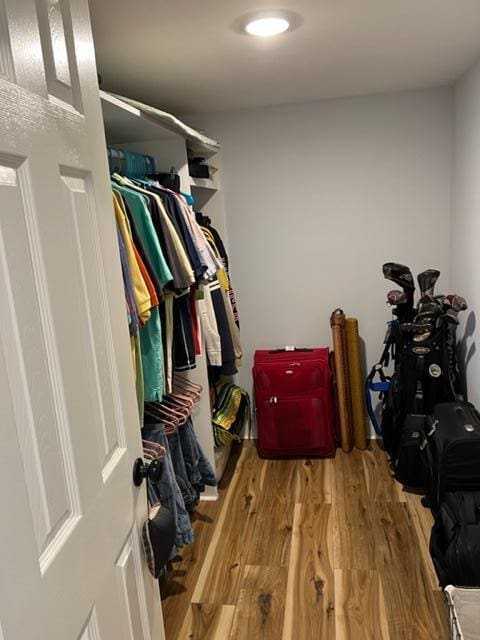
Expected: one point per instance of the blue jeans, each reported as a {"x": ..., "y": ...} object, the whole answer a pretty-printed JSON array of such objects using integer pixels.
[{"x": 167, "y": 492}]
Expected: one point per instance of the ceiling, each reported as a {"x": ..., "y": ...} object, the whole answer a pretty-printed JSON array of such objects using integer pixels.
[{"x": 188, "y": 57}]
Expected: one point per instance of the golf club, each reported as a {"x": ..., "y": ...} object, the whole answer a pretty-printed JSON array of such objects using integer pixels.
[
  {"x": 402, "y": 276},
  {"x": 456, "y": 302},
  {"x": 426, "y": 282},
  {"x": 396, "y": 297}
]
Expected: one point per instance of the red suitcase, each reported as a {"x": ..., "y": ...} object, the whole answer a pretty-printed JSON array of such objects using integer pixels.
[{"x": 293, "y": 393}]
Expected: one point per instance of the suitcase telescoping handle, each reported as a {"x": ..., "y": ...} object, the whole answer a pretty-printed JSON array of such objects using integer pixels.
[{"x": 296, "y": 349}]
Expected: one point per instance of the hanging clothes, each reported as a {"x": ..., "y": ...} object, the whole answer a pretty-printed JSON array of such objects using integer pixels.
[
  {"x": 182, "y": 271},
  {"x": 170, "y": 424},
  {"x": 139, "y": 244},
  {"x": 151, "y": 334},
  {"x": 208, "y": 320},
  {"x": 174, "y": 210},
  {"x": 217, "y": 243},
  {"x": 167, "y": 264},
  {"x": 166, "y": 490},
  {"x": 228, "y": 366},
  {"x": 224, "y": 257},
  {"x": 140, "y": 290}
]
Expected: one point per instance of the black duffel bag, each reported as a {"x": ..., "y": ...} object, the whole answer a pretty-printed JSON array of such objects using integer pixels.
[
  {"x": 409, "y": 467},
  {"x": 455, "y": 540},
  {"x": 451, "y": 450}
]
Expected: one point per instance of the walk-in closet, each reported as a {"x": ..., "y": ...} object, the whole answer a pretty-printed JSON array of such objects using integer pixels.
[{"x": 239, "y": 284}]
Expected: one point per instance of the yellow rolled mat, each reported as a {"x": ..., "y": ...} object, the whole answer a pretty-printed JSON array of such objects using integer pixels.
[
  {"x": 337, "y": 322},
  {"x": 356, "y": 383}
]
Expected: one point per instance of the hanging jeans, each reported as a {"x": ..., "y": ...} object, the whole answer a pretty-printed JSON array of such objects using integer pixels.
[
  {"x": 189, "y": 494},
  {"x": 199, "y": 469},
  {"x": 193, "y": 470},
  {"x": 167, "y": 492}
]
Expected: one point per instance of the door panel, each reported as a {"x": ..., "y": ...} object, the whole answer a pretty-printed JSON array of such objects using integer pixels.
[
  {"x": 44, "y": 441},
  {"x": 131, "y": 580},
  {"x": 69, "y": 430},
  {"x": 22, "y": 45},
  {"x": 6, "y": 61},
  {"x": 80, "y": 204},
  {"x": 91, "y": 631}
]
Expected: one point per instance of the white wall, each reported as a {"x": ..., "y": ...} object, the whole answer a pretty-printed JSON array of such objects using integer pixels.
[
  {"x": 318, "y": 196},
  {"x": 465, "y": 222}
]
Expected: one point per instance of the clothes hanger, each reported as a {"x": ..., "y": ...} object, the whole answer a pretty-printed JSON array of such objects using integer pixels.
[
  {"x": 182, "y": 385},
  {"x": 157, "y": 427},
  {"x": 153, "y": 450},
  {"x": 180, "y": 406},
  {"x": 181, "y": 380},
  {"x": 172, "y": 413},
  {"x": 183, "y": 398},
  {"x": 169, "y": 425}
]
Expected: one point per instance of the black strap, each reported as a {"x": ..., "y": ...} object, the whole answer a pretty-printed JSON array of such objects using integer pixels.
[
  {"x": 419, "y": 369},
  {"x": 385, "y": 357},
  {"x": 389, "y": 342}
]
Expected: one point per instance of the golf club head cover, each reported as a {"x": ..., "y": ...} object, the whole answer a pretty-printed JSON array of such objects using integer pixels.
[
  {"x": 458, "y": 303},
  {"x": 426, "y": 282},
  {"x": 401, "y": 275}
]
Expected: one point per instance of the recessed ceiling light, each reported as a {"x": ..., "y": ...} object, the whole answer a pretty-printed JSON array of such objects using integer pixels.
[
  {"x": 267, "y": 26},
  {"x": 267, "y": 23}
]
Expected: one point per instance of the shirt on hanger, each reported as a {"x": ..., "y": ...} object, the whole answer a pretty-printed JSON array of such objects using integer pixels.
[
  {"x": 147, "y": 233},
  {"x": 140, "y": 290},
  {"x": 151, "y": 333},
  {"x": 182, "y": 275},
  {"x": 138, "y": 242}
]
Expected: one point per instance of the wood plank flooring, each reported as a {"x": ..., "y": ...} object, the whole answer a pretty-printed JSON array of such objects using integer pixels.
[{"x": 307, "y": 550}]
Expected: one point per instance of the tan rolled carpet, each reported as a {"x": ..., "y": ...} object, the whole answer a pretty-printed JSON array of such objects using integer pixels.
[
  {"x": 337, "y": 322},
  {"x": 356, "y": 384}
]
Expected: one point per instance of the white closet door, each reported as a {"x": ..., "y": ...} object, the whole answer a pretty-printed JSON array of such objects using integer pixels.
[{"x": 71, "y": 565}]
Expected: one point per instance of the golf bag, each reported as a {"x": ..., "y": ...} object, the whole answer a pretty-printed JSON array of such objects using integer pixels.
[
  {"x": 420, "y": 380},
  {"x": 421, "y": 344},
  {"x": 455, "y": 540}
]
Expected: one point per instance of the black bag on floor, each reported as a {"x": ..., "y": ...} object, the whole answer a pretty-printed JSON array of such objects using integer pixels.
[
  {"x": 409, "y": 465},
  {"x": 455, "y": 540},
  {"x": 421, "y": 380},
  {"x": 451, "y": 450}
]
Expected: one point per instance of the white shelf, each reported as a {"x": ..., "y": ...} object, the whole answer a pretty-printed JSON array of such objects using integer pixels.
[
  {"x": 206, "y": 184},
  {"x": 125, "y": 123},
  {"x": 127, "y": 120}
]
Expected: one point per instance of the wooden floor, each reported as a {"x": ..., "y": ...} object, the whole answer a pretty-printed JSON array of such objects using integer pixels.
[{"x": 307, "y": 550}]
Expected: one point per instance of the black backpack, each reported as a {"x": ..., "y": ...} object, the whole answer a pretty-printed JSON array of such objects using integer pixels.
[{"x": 455, "y": 540}]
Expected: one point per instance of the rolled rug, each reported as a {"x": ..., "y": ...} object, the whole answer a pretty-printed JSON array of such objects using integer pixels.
[
  {"x": 337, "y": 322},
  {"x": 356, "y": 384}
]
